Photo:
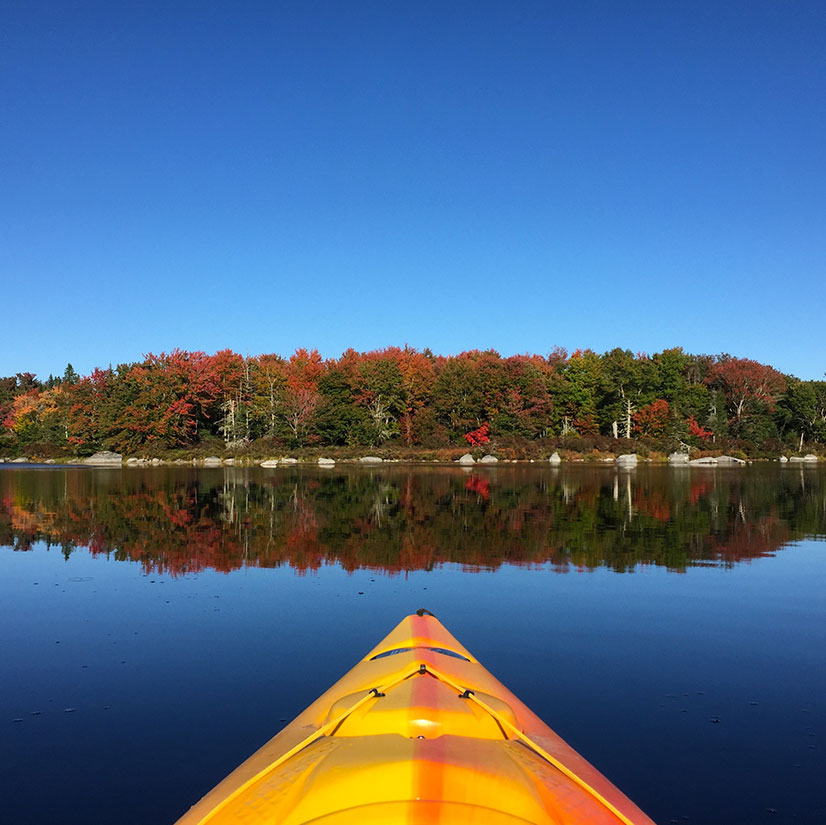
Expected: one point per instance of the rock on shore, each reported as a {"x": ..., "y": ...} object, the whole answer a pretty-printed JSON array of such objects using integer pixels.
[
  {"x": 717, "y": 461},
  {"x": 105, "y": 458}
]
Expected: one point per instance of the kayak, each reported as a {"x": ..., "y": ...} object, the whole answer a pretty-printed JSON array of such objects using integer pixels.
[{"x": 417, "y": 733}]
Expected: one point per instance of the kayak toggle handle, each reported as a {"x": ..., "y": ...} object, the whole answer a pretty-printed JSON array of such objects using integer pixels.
[
  {"x": 424, "y": 612},
  {"x": 377, "y": 693},
  {"x": 467, "y": 694},
  {"x": 422, "y": 670}
]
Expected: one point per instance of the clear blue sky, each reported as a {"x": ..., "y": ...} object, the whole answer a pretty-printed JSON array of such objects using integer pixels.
[{"x": 264, "y": 176}]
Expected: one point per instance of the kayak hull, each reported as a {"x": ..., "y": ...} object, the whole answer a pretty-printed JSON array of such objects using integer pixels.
[{"x": 418, "y": 732}]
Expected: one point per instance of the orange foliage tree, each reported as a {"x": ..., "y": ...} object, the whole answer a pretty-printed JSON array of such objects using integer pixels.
[{"x": 652, "y": 419}]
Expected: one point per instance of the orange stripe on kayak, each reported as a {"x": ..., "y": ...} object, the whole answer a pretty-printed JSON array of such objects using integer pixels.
[
  {"x": 428, "y": 755},
  {"x": 419, "y": 628}
]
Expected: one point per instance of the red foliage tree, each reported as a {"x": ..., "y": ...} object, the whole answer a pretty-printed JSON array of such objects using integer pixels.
[
  {"x": 652, "y": 419},
  {"x": 301, "y": 396},
  {"x": 745, "y": 382},
  {"x": 479, "y": 436},
  {"x": 696, "y": 430}
]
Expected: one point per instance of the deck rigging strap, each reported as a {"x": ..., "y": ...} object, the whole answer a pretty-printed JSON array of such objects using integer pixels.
[
  {"x": 467, "y": 693},
  {"x": 376, "y": 693},
  {"x": 373, "y": 693}
]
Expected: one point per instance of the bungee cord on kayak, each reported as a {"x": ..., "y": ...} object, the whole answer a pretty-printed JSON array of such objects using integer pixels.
[
  {"x": 373, "y": 693},
  {"x": 464, "y": 693},
  {"x": 467, "y": 693}
]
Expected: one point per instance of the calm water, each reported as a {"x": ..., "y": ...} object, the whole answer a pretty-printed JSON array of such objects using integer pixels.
[{"x": 157, "y": 626}]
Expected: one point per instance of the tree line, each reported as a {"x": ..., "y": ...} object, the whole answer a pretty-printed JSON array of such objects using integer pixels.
[{"x": 404, "y": 397}]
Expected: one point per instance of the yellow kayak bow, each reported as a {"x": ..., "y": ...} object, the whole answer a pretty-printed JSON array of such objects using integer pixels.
[{"x": 417, "y": 733}]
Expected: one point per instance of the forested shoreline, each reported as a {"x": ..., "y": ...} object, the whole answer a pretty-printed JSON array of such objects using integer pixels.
[{"x": 407, "y": 402}]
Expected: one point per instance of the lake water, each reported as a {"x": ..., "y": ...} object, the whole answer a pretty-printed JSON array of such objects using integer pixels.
[{"x": 158, "y": 625}]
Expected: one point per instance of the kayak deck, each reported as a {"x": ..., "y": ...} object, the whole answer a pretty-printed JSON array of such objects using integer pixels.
[{"x": 418, "y": 732}]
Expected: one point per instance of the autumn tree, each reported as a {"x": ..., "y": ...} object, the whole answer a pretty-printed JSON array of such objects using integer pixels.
[
  {"x": 300, "y": 397},
  {"x": 87, "y": 411},
  {"x": 750, "y": 388},
  {"x": 652, "y": 419},
  {"x": 8, "y": 387},
  {"x": 33, "y": 418},
  {"x": 524, "y": 404},
  {"x": 379, "y": 389},
  {"x": 268, "y": 383},
  {"x": 153, "y": 402},
  {"x": 417, "y": 373},
  {"x": 458, "y": 399}
]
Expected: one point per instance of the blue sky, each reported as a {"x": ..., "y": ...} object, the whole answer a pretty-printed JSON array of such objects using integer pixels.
[{"x": 456, "y": 175}]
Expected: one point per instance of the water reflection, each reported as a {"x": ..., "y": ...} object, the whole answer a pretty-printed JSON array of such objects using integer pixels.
[{"x": 401, "y": 519}]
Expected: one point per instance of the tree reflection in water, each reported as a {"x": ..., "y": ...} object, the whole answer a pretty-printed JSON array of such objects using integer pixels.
[{"x": 397, "y": 519}]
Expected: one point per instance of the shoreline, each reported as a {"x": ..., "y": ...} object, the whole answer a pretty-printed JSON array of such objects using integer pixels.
[{"x": 330, "y": 458}]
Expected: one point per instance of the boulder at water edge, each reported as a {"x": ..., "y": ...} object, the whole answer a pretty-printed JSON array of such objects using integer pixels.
[
  {"x": 326, "y": 462},
  {"x": 555, "y": 459},
  {"x": 678, "y": 459},
  {"x": 270, "y": 462},
  {"x": 213, "y": 461},
  {"x": 467, "y": 458},
  {"x": 627, "y": 461},
  {"x": 369, "y": 459},
  {"x": 105, "y": 458},
  {"x": 488, "y": 459}
]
